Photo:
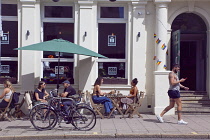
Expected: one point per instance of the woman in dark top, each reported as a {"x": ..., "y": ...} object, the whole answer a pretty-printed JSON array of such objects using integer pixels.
[
  {"x": 98, "y": 96},
  {"x": 40, "y": 93}
]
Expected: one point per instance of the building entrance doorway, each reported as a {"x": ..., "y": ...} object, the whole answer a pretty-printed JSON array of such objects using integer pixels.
[{"x": 188, "y": 48}]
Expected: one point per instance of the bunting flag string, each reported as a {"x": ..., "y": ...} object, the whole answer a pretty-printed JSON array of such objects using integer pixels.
[
  {"x": 155, "y": 35},
  {"x": 163, "y": 46},
  {"x": 165, "y": 67},
  {"x": 158, "y": 41},
  {"x": 158, "y": 62}
]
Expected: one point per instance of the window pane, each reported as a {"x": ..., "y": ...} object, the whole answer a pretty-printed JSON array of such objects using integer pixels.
[
  {"x": 9, "y": 71},
  {"x": 51, "y": 71},
  {"x": 58, "y": 12},
  {"x": 10, "y": 39},
  {"x": 9, "y": 9},
  {"x": 111, "y": 69},
  {"x": 57, "y": 31},
  {"x": 111, "y": 40},
  {"x": 112, "y": 12}
]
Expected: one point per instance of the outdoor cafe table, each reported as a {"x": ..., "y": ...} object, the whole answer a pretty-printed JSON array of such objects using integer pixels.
[{"x": 116, "y": 100}]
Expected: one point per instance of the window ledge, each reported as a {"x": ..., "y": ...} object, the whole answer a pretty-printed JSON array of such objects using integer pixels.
[
  {"x": 115, "y": 81},
  {"x": 111, "y": 86}
]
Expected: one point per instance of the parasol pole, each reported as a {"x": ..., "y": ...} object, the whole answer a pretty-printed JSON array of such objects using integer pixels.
[
  {"x": 1, "y": 34},
  {"x": 58, "y": 77}
]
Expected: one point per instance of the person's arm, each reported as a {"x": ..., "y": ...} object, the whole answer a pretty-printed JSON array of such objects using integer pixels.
[
  {"x": 186, "y": 88},
  {"x": 173, "y": 81},
  {"x": 46, "y": 94},
  {"x": 64, "y": 94},
  {"x": 6, "y": 90}
]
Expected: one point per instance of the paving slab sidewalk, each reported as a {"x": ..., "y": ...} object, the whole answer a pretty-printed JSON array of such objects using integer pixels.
[{"x": 146, "y": 127}]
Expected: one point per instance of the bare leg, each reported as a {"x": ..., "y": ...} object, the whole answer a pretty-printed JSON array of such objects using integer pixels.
[
  {"x": 171, "y": 105},
  {"x": 179, "y": 108}
]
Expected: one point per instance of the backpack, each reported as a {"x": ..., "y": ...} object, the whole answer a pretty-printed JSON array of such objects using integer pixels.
[{"x": 15, "y": 99}]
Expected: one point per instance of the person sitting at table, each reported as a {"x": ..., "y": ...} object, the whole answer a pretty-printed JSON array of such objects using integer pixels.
[
  {"x": 67, "y": 92},
  {"x": 98, "y": 97},
  {"x": 5, "y": 96},
  {"x": 40, "y": 94},
  {"x": 131, "y": 96}
]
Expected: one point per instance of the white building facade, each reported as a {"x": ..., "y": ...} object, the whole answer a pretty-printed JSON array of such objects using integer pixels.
[{"x": 141, "y": 38}]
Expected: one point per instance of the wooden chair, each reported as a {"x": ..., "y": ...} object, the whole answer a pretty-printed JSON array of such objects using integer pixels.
[
  {"x": 133, "y": 108},
  {"x": 18, "y": 113},
  {"x": 6, "y": 110},
  {"x": 96, "y": 107},
  {"x": 29, "y": 99}
]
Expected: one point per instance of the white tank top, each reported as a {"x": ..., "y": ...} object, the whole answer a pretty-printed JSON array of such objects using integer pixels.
[
  {"x": 8, "y": 95},
  {"x": 177, "y": 86}
]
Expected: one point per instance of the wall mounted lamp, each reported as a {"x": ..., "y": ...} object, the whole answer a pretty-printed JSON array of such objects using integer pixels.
[
  {"x": 139, "y": 13},
  {"x": 85, "y": 34},
  {"x": 112, "y": 0},
  {"x": 55, "y": 0},
  {"x": 27, "y": 33},
  {"x": 139, "y": 34}
]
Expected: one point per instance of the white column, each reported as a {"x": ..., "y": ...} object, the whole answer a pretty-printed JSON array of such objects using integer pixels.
[
  {"x": 28, "y": 25},
  {"x": 37, "y": 32},
  {"x": 87, "y": 25},
  {"x": 138, "y": 47},
  {"x": 161, "y": 99},
  {"x": 161, "y": 32}
]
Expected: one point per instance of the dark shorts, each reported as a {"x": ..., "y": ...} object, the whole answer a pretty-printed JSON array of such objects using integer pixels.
[
  {"x": 173, "y": 94},
  {"x": 3, "y": 104}
]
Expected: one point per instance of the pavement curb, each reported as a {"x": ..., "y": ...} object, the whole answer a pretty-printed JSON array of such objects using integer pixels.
[
  {"x": 39, "y": 137},
  {"x": 90, "y": 136},
  {"x": 187, "y": 136},
  {"x": 193, "y": 136},
  {"x": 6, "y": 137},
  {"x": 138, "y": 135}
]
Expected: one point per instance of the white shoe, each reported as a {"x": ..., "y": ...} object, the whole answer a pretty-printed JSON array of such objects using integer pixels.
[
  {"x": 160, "y": 119},
  {"x": 182, "y": 122}
]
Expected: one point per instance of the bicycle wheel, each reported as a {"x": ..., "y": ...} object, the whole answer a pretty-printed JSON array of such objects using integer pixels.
[
  {"x": 83, "y": 104},
  {"x": 35, "y": 108},
  {"x": 83, "y": 118},
  {"x": 44, "y": 118}
]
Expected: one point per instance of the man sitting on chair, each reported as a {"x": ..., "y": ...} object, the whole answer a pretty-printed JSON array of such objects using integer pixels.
[{"x": 68, "y": 91}]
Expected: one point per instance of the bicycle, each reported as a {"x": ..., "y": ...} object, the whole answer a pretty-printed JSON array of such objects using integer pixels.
[
  {"x": 53, "y": 93},
  {"x": 46, "y": 116}
]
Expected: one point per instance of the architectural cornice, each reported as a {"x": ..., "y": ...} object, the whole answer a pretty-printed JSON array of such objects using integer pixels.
[
  {"x": 139, "y": 3},
  {"x": 28, "y": 1},
  {"x": 162, "y": 1},
  {"x": 188, "y": 0},
  {"x": 161, "y": 72},
  {"x": 86, "y": 4}
]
